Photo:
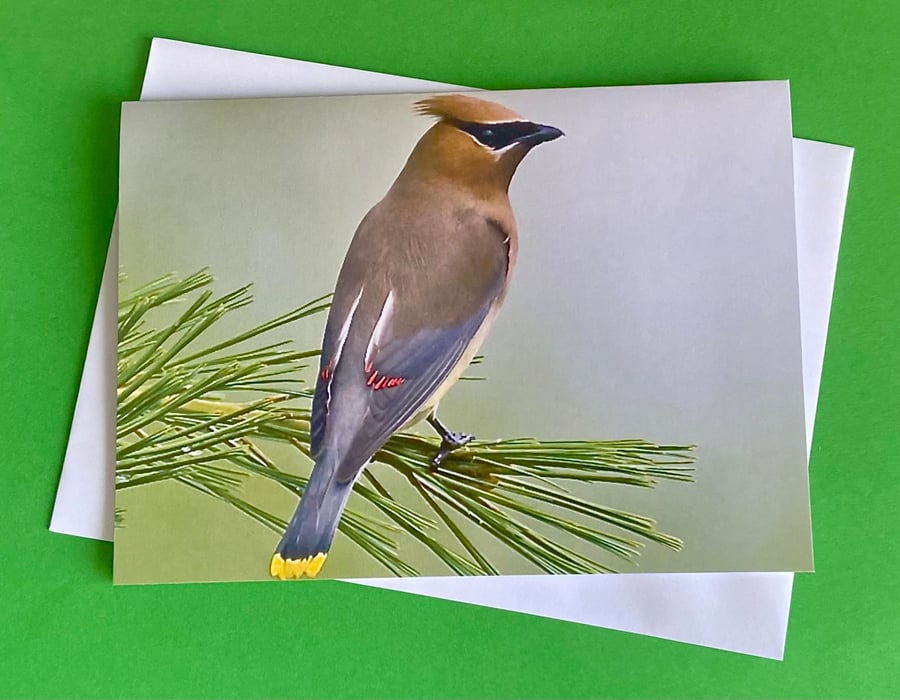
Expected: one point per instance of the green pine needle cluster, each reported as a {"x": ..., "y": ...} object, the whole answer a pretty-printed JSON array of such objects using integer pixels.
[{"x": 180, "y": 418}]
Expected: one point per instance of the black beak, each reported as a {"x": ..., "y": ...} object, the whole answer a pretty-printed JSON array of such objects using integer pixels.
[{"x": 542, "y": 133}]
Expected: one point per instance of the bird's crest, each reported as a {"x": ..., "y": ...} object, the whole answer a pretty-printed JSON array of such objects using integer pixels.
[{"x": 465, "y": 108}]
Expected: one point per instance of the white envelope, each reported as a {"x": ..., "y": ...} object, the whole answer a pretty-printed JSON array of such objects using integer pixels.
[{"x": 741, "y": 612}]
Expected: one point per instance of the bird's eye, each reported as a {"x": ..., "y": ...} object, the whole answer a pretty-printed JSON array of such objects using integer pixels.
[{"x": 487, "y": 133}]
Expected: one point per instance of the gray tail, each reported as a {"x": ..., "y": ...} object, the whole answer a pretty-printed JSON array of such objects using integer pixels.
[{"x": 308, "y": 536}]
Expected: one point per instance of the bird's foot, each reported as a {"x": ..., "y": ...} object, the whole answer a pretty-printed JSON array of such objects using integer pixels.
[{"x": 449, "y": 442}]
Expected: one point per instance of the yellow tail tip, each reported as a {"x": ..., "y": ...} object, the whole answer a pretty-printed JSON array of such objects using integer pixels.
[
  {"x": 276, "y": 566},
  {"x": 315, "y": 564},
  {"x": 284, "y": 569}
]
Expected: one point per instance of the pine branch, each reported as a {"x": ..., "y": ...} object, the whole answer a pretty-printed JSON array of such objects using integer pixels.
[{"x": 174, "y": 423}]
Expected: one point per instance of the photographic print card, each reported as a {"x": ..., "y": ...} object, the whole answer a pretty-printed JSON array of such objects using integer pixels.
[{"x": 703, "y": 336}]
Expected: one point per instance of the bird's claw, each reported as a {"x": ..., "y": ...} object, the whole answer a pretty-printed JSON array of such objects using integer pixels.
[
  {"x": 451, "y": 441},
  {"x": 457, "y": 440}
]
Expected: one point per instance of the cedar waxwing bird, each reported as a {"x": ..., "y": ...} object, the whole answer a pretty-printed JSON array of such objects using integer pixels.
[{"x": 421, "y": 283}]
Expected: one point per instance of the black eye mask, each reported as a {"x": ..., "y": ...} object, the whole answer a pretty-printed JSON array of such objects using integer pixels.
[{"x": 501, "y": 135}]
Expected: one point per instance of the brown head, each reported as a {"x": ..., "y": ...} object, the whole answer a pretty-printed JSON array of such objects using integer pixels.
[{"x": 476, "y": 143}]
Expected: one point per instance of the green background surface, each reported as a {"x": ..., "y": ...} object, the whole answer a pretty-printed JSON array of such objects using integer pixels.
[{"x": 65, "y": 631}]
